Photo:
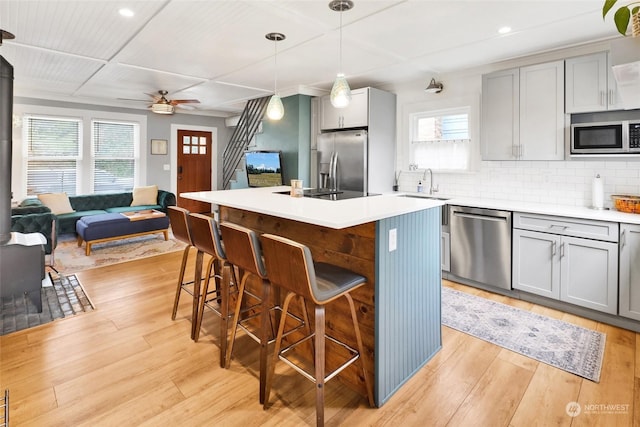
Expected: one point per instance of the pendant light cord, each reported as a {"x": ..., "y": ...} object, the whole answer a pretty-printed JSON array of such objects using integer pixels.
[
  {"x": 340, "y": 70},
  {"x": 275, "y": 61}
]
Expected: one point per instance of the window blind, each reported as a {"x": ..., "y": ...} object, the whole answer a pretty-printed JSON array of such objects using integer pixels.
[
  {"x": 53, "y": 149},
  {"x": 114, "y": 161}
]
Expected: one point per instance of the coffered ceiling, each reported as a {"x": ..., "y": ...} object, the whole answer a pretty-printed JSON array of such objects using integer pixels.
[{"x": 216, "y": 50}]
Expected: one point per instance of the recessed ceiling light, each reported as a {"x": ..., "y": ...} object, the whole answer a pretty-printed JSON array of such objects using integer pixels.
[
  {"x": 126, "y": 12},
  {"x": 504, "y": 30}
]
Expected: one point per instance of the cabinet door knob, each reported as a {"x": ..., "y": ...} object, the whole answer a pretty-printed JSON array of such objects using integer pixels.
[
  {"x": 623, "y": 239},
  {"x": 562, "y": 250},
  {"x": 553, "y": 249}
]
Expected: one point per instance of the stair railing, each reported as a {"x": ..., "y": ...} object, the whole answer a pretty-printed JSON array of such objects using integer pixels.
[{"x": 242, "y": 135}]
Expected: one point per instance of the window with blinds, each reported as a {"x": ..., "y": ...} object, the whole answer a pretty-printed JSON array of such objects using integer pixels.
[
  {"x": 53, "y": 150},
  {"x": 440, "y": 139},
  {"x": 114, "y": 155}
]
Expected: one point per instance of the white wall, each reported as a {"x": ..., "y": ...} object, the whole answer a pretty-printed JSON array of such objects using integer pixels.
[{"x": 559, "y": 182}]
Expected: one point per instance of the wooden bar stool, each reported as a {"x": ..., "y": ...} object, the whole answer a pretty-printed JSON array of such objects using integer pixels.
[
  {"x": 206, "y": 238},
  {"x": 291, "y": 267},
  {"x": 243, "y": 251},
  {"x": 179, "y": 219}
]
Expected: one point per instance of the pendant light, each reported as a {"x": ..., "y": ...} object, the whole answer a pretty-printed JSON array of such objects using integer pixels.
[
  {"x": 275, "y": 109},
  {"x": 340, "y": 92}
]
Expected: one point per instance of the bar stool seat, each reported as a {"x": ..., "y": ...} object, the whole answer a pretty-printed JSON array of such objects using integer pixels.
[
  {"x": 206, "y": 238},
  {"x": 291, "y": 267}
]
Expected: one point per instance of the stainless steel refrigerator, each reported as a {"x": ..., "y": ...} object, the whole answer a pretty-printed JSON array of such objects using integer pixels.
[
  {"x": 342, "y": 160},
  {"x": 354, "y": 160}
]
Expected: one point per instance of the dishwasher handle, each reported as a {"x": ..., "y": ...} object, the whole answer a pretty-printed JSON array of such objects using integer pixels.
[{"x": 481, "y": 217}]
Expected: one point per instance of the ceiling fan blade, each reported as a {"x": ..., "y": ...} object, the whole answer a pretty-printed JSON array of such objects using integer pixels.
[
  {"x": 184, "y": 101},
  {"x": 132, "y": 99}
]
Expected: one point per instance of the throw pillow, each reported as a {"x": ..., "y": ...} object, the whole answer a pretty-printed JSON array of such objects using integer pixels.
[
  {"x": 58, "y": 202},
  {"x": 143, "y": 196}
]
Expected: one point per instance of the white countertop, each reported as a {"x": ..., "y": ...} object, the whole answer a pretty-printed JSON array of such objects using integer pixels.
[
  {"x": 540, "y": 208},
  {"x": 328, "y": 213}
]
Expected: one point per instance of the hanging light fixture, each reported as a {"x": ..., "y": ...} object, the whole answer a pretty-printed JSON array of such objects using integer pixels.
[
  {"x": 434, "y": 87},
  {"x": 340, "y": 92},
  {"x": 275, "y": 109}
]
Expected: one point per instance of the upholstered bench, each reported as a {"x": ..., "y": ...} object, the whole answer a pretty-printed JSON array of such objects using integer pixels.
[{"x": 112, "y": 226}]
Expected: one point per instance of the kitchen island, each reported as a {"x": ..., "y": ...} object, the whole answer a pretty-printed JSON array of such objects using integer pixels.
[{"x": 393, "y": 241}]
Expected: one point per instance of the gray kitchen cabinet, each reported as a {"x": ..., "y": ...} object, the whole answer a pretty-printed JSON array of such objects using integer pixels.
[
  {"x": 354, "y": 115},
  {"x": 589, "y": 274},
  {"x": 535, "y": 264},
  {"x": 629, "y": 302},
  {"x": 523, "y": 113},
  {"x": 572, "y": 260},
  {"x": 500, "y": 126},
  {"x": 590, "y": 85}
]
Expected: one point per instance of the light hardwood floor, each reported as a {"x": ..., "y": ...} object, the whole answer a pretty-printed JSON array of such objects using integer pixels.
[{"x": 128, "y": 364}]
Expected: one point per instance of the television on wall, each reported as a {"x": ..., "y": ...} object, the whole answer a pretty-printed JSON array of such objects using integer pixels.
[{"x": 264, "y": 168}]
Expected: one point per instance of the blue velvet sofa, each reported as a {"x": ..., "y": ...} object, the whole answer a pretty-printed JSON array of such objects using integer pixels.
[{"x": 31, "y": 216}]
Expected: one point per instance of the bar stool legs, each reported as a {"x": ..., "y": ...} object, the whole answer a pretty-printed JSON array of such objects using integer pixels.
[
  {"x": 183, "y": 266},
  {"x": 319, "y": 350},
  {"x": 224, "y": 276}
]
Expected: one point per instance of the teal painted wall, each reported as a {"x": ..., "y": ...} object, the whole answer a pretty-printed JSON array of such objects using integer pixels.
[{"x": 291, "y": 135}]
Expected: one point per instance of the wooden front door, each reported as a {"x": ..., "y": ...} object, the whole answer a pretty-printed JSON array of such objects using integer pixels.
[{"x": 194, "y": 167}]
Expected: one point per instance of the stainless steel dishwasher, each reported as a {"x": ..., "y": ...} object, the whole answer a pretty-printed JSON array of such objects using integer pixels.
[{"x": 481, "y": 245}]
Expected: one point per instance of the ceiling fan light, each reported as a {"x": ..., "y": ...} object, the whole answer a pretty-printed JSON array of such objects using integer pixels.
[
  {"x": 161, "y": 108},
  {"x": 275, "y": 109},
  {"x": 340, "y": 92}
]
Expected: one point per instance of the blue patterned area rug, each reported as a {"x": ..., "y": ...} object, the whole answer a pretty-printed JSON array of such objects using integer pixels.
[{"x": 557, "y": 343}]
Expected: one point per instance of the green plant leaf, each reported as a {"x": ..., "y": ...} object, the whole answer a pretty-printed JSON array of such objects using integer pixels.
[
  {"x": 621, "y": 18},
  {"x": 635, "y": 10},
  {"x": 608, "y": 4}
]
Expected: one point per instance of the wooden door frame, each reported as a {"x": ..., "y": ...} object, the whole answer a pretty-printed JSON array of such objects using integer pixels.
[{"x": 174, "y": 153}]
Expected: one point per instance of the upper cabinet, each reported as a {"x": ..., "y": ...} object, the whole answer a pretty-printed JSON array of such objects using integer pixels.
[
  {"x": 355, "y": 115},
  {"x": 590, "y": 84},
  {"x": 523, "y": 113}
]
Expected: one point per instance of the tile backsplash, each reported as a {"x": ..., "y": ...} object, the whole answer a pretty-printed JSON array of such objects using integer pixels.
[{"x": 554, "y": 182}]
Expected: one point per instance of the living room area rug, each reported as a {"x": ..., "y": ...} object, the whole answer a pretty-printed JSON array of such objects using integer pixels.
[
  {"x": 62, "y": 296},
  {"x": 557, "y": 343},
  {"x": 69, "y": 258}
]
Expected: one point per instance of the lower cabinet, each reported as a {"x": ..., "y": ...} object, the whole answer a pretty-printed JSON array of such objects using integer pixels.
[
  {"x": 556, "y": 264},
  {"x": 536, "y": 265},
  {"x": 589, "y": 274},
  {"x": 629, "y": 305}
]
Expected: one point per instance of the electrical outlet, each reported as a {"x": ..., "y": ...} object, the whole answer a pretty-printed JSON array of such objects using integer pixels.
[{"x": 393, "y": 239}]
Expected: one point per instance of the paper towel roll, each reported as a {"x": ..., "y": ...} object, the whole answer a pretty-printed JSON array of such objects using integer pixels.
[{"x": 597, "y": 193}]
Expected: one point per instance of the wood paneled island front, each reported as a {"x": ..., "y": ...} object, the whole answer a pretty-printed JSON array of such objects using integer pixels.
[{"x": 393, "y": 241}]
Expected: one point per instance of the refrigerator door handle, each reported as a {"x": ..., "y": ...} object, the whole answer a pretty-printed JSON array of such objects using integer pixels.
[
  {"x": 333, "y": 167},
  {"x": 330, "y": 182}
]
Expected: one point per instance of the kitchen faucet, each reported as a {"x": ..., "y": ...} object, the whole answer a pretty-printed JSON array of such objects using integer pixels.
[{"x": 432, "y": 189}]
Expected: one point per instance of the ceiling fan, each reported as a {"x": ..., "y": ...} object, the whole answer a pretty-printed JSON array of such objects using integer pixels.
[{"x": 162, "y": 105}]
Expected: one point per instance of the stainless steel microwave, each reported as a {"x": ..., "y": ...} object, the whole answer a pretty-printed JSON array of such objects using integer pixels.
[{"x": 619, "y": 137}]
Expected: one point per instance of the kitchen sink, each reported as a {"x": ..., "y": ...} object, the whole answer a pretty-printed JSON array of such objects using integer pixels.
[{"x": 423, "y": 197}]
